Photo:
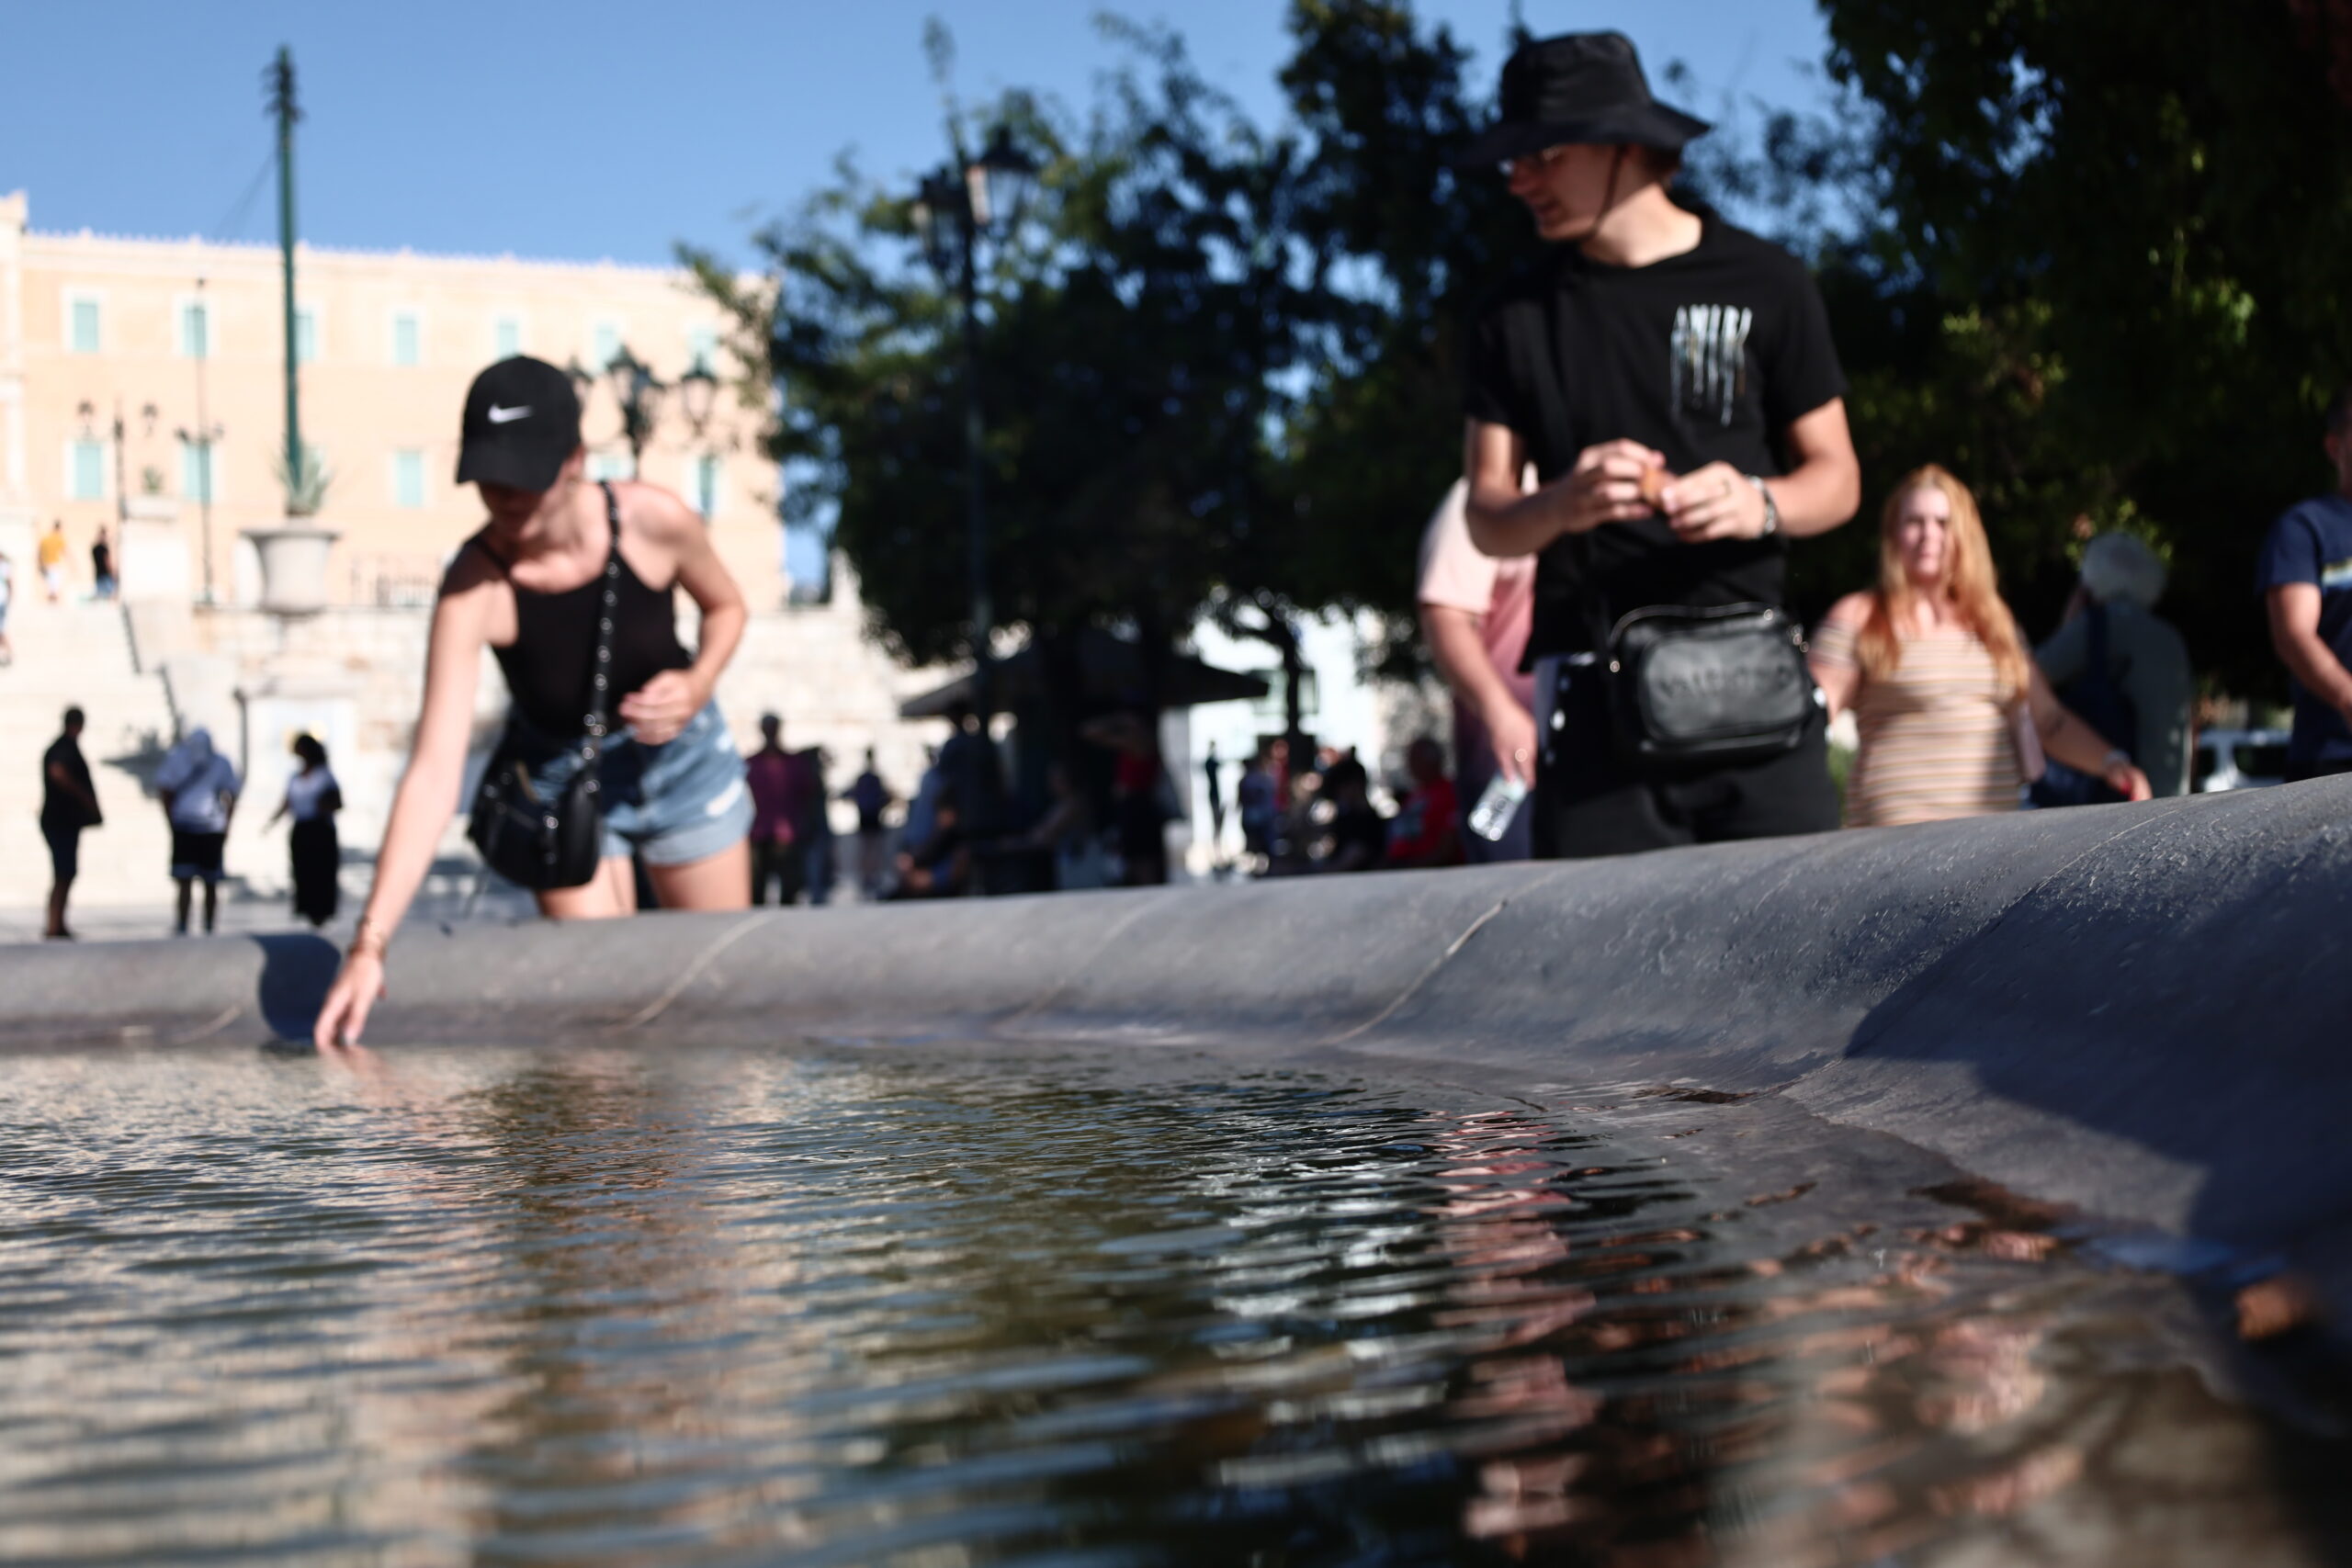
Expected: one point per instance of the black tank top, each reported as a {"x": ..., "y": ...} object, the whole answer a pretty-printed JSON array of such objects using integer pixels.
[{"x": 547, "y": 665}]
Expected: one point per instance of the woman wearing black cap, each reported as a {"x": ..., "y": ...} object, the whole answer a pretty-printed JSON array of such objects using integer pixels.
[{"x": 559, "y": 558}]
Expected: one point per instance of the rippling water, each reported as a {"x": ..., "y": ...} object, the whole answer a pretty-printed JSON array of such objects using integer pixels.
[{"x": 927, "y": 1306}]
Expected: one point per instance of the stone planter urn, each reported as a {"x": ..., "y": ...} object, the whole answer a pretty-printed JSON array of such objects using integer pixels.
[{"x": 293, "y": 566}]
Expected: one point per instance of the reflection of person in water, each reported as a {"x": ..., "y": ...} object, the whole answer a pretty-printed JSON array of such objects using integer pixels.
[{"x": 1845, "y": 1396}]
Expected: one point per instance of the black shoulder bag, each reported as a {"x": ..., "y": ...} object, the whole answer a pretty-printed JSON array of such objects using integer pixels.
[
  {"x": 538, "y": 843},
  {"x": 1710, "y": 687}
]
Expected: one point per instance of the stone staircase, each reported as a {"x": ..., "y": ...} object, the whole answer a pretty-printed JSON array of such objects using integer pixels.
[{"x": 80, "y": 654}]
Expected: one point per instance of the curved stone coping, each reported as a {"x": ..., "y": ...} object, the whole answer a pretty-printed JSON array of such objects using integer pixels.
[{"x": 2145, "y": 1010}]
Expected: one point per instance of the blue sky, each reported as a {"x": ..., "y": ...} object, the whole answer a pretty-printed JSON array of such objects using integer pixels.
[{"x": 594, "y": 129}]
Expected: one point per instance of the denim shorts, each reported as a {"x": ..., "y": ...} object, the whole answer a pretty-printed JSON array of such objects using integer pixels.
[{"x": 673, "y": 804}]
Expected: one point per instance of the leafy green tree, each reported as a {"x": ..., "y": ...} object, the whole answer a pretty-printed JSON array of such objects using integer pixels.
[
  {"x": 1134, "y": 338},
  {"x": 2105, "y": 281}
]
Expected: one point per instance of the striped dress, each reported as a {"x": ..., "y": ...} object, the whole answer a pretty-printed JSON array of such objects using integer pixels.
[{"x": 1936, "y": 733}]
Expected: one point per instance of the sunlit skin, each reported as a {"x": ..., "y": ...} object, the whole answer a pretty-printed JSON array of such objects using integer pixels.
[
  {"x": 1923, "y": 543},
  {"x": 1612, "y": 203},
  {"x": 553, "y": 540},
  {"x": 1923, "y": 539},
  {"x": 2294, "y": 607}
]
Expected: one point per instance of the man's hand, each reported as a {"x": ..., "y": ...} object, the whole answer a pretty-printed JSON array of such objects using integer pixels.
[
  {"x": 1511, "y": 731},
  {"x": 1605, "y": 485},
  {"x": 1717, "y": 502},
  {"x": 663, "y": 707},
  {"x": 2127, "y": 780}
]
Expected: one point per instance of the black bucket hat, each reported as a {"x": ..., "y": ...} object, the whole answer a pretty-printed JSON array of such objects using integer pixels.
[{"x": 1579, "y": 87}]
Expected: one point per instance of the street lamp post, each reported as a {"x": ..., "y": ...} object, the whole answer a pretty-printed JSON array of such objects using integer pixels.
[
  {"x": 953, "y": 208},
  {"x": 119, "y": 433},
  {"x": 639, "y": 393}
]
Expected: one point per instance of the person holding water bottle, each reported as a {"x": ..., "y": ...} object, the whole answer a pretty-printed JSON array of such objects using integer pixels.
[{"x": 1475, "y": 612}]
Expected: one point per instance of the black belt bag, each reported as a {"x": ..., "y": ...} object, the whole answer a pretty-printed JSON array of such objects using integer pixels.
[
  {"x": 532, "y": 842},
  {"x": 1708, "y": 687}
]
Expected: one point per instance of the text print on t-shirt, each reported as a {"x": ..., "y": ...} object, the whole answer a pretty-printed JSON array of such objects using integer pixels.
[{"x": 1710, "y": 360}]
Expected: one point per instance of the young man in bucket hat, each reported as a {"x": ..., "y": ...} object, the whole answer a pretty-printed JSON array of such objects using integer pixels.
[{"x": 1673, "y": 381}]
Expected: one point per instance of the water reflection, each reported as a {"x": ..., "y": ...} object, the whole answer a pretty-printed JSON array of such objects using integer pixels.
[{"x": 601, "y": 1306}]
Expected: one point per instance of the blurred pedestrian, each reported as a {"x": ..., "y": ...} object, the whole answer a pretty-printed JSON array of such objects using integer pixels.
[
  {"x": 102, "y": 564},
  {"x": 2306, "y": 582},
  {"x": 816, "y": 826},
  {"x": 1476, "y": 610},
  {"x": 1427, "y": 828},
  {"x": 871, "y": 798},
  {"x": 1258, "y": 798},
  {"x": 938, "y": 865},
  {"x": 1213, "y": 767},
  {"x": 1066, "y": 831},
  {"x": 7, "y": 597},
  {"x": 314, "y": 849},
  {"x": 776, "y": 778},
  {"x": 1953, "y": 712},
  {"x": 52, "y": 562},
  {"x": 200, "y": 788},
  {"x": 1658, "y": 367},
  {"x": 1358, "y": 833},
  {"x": 1140, "y": 790},
  {"x": 2121, "y": 668},
  {"x": 69, "y": 805},
  {"x": 970, "y": 765}
]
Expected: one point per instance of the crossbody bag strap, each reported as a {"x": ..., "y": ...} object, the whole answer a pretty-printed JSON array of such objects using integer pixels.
[{"x": 600, "y": 668}]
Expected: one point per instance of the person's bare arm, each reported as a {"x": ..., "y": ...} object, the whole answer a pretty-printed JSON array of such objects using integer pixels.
[
  {"x": 2294, "y": 632},
  {"x": 2068, "y": 738},
  {"x": 1822, "y": 489},
  {"x": 657, "y": 711},
  {"x": 1605, "y": 485},
  {"x": 1461, "y": 657},
  {"x": 1841, "y": 682},
  {"x": 425, "y": 800}
]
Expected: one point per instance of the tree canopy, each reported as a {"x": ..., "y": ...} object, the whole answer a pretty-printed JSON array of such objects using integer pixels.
[{"x": 2101, "y": 277}]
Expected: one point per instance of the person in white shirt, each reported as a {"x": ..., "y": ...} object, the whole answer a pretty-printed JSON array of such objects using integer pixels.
[
  {"x": 200, "y": 789},
  {"x": 314, "y": 852}
]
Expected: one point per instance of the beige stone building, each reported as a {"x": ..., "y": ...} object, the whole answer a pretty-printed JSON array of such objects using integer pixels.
[{"x": 173, "y": 336}]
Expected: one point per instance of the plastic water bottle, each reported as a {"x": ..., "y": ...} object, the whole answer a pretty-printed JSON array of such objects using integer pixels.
[{"x": 1497, "y": 804}]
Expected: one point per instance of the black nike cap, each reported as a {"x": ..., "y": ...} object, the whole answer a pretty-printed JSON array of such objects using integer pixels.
[{"x": 522, "y": 421}]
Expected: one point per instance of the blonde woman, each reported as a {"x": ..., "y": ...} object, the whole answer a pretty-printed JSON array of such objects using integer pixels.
[{"x": 1943, "y": 690}]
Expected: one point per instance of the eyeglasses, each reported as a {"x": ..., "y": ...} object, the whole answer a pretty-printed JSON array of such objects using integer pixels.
[{"x": 1542, "y": 159}]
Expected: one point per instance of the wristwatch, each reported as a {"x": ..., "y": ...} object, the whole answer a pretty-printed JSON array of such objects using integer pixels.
[{"x": 1772, "y": 507}]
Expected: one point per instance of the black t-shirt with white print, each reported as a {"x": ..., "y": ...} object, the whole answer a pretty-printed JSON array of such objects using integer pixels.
[{"x": 1706, "y": 357}]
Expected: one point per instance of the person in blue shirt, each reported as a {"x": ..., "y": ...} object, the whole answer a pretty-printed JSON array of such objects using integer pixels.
[{"x": 2306, "y": 582}]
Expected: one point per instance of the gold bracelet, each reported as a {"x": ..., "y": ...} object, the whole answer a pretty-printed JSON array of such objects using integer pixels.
[{"x": 367, "y": 939}]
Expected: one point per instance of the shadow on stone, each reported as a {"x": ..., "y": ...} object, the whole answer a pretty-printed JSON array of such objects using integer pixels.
[{"x": 296, "y": 967}]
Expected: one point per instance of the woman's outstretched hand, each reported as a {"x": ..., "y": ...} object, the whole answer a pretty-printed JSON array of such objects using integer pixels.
[
  {"x": 354, "y": 993},
  {"x": 659, "y": 710}
]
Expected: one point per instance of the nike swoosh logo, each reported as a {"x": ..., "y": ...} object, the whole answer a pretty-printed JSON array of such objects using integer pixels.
[{"x": 501, "y": 416}]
